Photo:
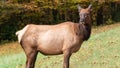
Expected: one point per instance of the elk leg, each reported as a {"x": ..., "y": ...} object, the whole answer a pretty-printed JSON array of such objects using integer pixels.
[
  {"x": 67, "y": 55},
  {"x": 31, "y": 58}
]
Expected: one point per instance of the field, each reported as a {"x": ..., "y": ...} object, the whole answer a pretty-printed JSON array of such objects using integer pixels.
[{"x": 102, "y": 50}]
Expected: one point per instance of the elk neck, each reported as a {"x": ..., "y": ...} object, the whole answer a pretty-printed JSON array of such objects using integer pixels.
[{"x": 86, "y": 28}]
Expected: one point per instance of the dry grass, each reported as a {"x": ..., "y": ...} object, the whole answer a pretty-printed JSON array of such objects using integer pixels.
[
  {"x": 10, "y": 48},
  {"x": 101, "y": 29}
]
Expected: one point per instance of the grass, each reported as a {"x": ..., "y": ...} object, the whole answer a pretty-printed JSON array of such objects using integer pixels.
[{"x": 101, "y": 51}]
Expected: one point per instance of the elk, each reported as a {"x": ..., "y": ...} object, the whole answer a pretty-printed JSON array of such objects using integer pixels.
[{"x": 64, "y": 38}]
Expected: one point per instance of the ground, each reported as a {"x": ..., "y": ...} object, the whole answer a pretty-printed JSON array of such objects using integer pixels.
[{"x": 100, "y": 51}]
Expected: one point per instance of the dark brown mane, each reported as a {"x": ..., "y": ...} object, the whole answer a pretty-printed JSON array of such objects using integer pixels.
[
  {"x": 87, "y": 32},
  {"x": 81, "y": 29}
]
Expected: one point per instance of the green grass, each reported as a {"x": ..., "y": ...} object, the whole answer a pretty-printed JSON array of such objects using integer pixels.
[
  {"x": 102, "y": 50},
  {"x": 12, "y": 61}
]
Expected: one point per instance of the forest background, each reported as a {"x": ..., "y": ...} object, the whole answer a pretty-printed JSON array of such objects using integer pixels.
[{"x": 15, "y": 14}]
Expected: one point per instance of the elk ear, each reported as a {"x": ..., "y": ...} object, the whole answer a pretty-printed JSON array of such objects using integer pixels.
[
  {"x": 90, "y": 7},
  {"x": 79, "y": 8}
]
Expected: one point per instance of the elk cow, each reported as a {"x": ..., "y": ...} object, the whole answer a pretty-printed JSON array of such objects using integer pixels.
[{"x": 65, "y": 38}]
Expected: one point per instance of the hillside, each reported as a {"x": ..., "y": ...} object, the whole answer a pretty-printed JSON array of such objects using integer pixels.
[{"x": 100, "y": 51}]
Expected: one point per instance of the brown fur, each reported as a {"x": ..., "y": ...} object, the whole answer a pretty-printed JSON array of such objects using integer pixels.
[{"x": 65, "y": 38}]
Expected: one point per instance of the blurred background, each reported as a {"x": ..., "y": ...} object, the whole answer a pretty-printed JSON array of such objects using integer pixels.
[{"x": 15, "y": 14}]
